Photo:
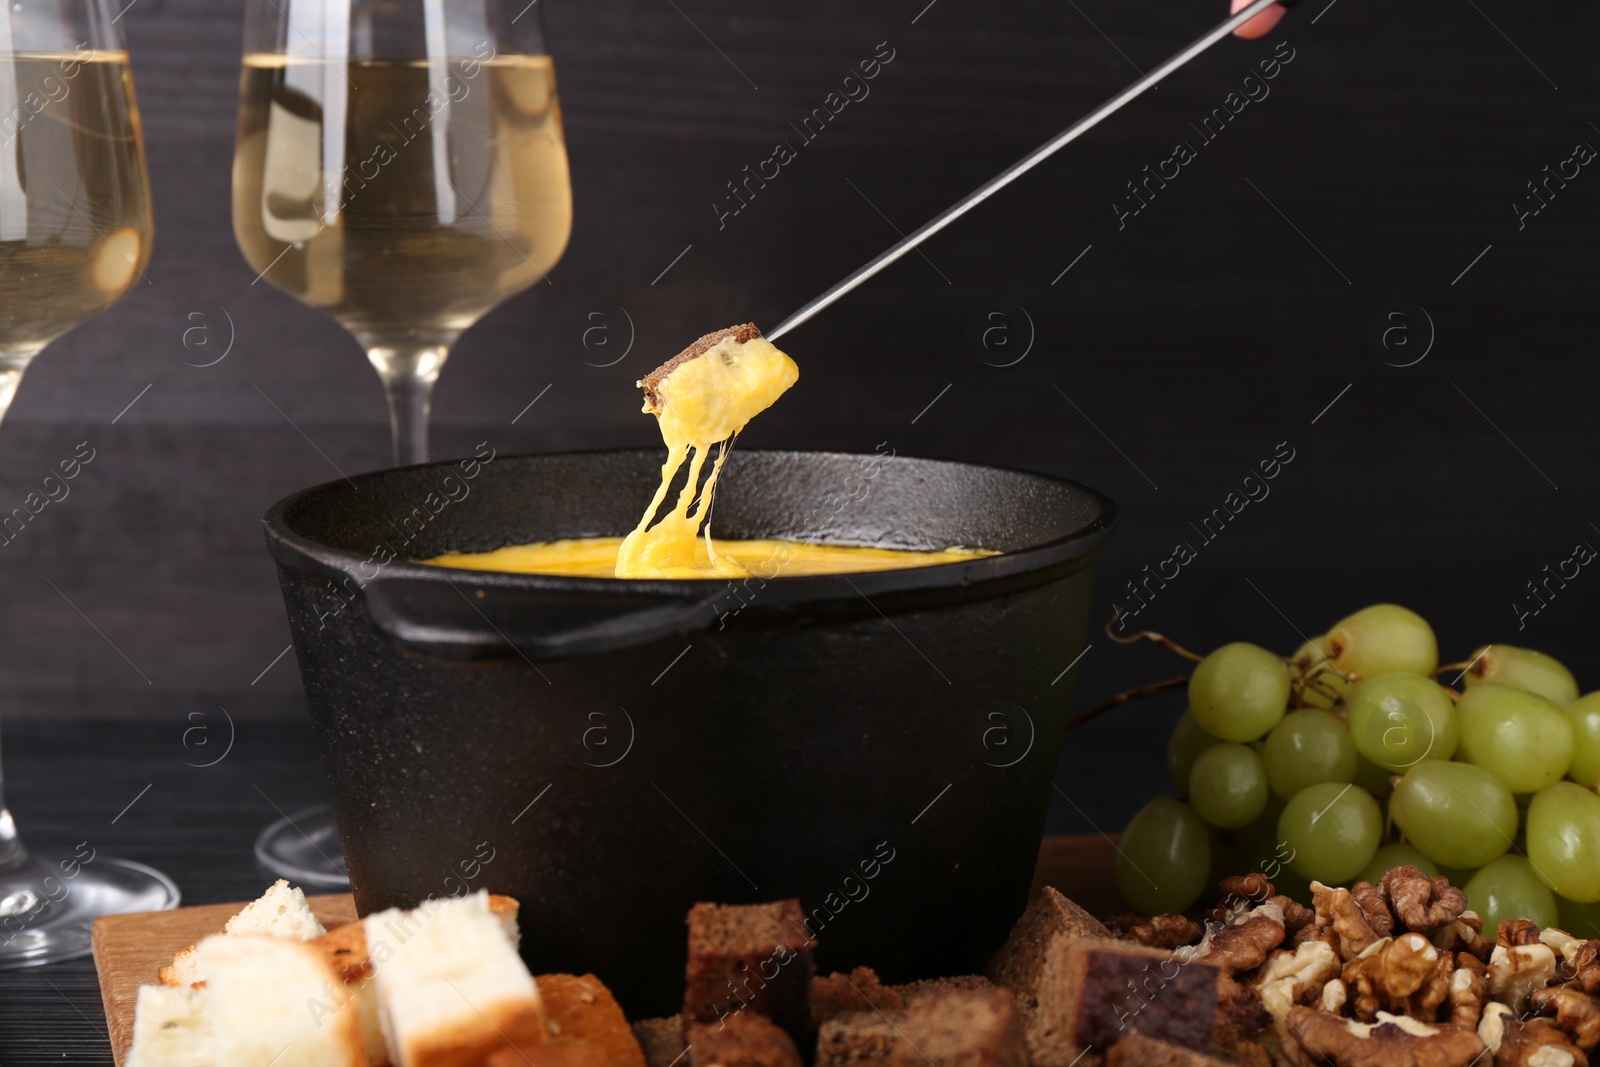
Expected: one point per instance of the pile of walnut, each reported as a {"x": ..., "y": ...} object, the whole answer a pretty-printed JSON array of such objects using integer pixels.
[{"x": 1395, "y": 974}]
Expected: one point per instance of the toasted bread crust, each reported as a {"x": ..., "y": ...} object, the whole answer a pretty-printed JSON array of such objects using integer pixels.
[
  {"x": 581, "y": 1008},
  {"x": 469, "y": 1041},
  {"x": 651, "y": 382},
  {"x": 345, "y": 948},
  {"x": 173, "y": 973}
]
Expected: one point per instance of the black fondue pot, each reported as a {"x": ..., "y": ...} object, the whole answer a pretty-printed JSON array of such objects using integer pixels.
[{"x": 880, "y": 745}]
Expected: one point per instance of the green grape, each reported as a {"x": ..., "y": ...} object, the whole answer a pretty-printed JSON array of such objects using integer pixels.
[
  {"x": 1525, "y": 669},
  {"x": 1398, "y": 720},
  {"x": 1458, "y": 814},
  {"x": 1457, "y": 876},
  {"x": 1379, "y": 781},
  {"x": 1228, "y": 785},
  {"x": 1383, "y": 639},
  {"x": 1395, "y": 854},
  {"x": 1508, "y": 888},
  {"x": 1239, "y": 692},
  {"x": 1579, "y": 920},
  {"x": 1519, "y": 737},
  {"x": 1308, "y": 747},
  {"x": 1163, "y": 858},
  {"x": 1584, "y": 715},
  {"x": 1564, "y": 840},
  {"x": 1184, "y": 747},
  {"x": 1333, "y": 831}
]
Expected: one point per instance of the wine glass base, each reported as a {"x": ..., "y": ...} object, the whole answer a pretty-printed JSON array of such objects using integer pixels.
[
  {"x": 46, "y": 916},
  {"x": 304, "y": 848}
]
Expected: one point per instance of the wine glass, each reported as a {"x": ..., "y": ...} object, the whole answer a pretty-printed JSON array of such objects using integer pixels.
[
  {"x": 75, "y": 234},
  {"x": 400, "y": 166}
]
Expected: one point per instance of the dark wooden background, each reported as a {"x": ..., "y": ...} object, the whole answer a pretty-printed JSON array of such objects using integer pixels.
[{"x": 1175, "y": 354}]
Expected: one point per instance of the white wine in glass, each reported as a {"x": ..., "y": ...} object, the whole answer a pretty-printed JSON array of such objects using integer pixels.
[
  {"x": 75, "y": 235},
  {"x": 400, "y": 165}
]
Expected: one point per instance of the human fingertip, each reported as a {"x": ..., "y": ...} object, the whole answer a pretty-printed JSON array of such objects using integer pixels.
[{"x": 1259, "y": 26}]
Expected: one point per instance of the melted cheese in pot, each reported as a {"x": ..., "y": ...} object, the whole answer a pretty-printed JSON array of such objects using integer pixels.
[
  {"x": 704, "y": 401},
  {"x": 596, "y": 557},
  {"x": 701, "y": 403}
]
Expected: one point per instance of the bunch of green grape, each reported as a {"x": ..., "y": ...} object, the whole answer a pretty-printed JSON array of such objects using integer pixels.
[{"x": 1351, "y": 757}]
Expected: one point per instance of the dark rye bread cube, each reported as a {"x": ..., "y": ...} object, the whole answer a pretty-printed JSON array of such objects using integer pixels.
[
  {"x": 651, "y": 383},
  {"x": 841, "y": 994},
  {"x": 923, "y": 987},
  {"x": 1021, "y": 960},
  {"x": 1031, "y": 967},
  {"x": 661, "y": 1040},
  {"x": 750, "y": 957},
  {"x": 744, "y": 1040},
  {"x": 1136, "y": 1050},
  {"x": 1079, "y": 989},
  {"x": 942, "y": 1028},
  {"x": 1091, "y": 993}
]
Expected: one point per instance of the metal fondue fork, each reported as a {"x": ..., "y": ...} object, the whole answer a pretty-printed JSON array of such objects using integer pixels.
[{"x": 1025, "y": 164}]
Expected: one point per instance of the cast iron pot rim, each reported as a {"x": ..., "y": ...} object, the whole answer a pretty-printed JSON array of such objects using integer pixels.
[{"x": 294, "y": 549}]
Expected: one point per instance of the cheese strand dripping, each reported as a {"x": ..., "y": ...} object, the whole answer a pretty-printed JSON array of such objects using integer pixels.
[{"x": 701, "y": 397}]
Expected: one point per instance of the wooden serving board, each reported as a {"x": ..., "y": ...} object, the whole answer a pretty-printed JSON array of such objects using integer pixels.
[{"x": 130, "y": 949}]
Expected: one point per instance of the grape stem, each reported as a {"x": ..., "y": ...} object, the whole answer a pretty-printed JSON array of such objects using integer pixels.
[
  {"x": 1153, "y": 689},
  {"x": 1150, "y": 635},
  {"x": 1463, "y": 668},
  {"x": 1315, "y": 682}
]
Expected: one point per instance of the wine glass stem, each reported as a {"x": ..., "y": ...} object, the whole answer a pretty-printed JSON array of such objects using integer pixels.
[
  {"x": 12, "y": 853},
  {"x": 12, "y": 367},
  {"x": 409, "y": 372}
]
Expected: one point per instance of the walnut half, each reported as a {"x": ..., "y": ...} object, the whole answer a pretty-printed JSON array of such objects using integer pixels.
[
  {"x": 1464, "y": 935},
  {"x": 1288, "y": 977},
  {"x": 1424, "y": 904},
  {"x": 1406, "y": 975},
  {"x": 1516, "y": 972},
  {"x": 1242, "y": 945},
  {"x": 1535, "y": 1043},
  {"x": 1467, "y": 985},
  {"x": 1338, "y": 910},
  {"x": 1157, "y": 931},
  {"x": 1586, "y": 961},
  {"x": 1576, "y": 1013},
  {"x": 1390, "y": 1041}
]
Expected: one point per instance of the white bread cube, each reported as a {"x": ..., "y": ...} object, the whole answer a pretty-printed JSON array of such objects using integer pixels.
[
  {"x": 345, "y": 948},
  {"x": 451, "y": 989},
  {"x": 170, "y": 1029},
  {"x": 279, "y": 912},
  {"x": 184, "y": 970},
  {"x": 505, "y": 909},
  {"x": 272, "y": 1001}
]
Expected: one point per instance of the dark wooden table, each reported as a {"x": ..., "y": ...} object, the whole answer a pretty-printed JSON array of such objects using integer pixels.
[{"x": 70, "y": 781}]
